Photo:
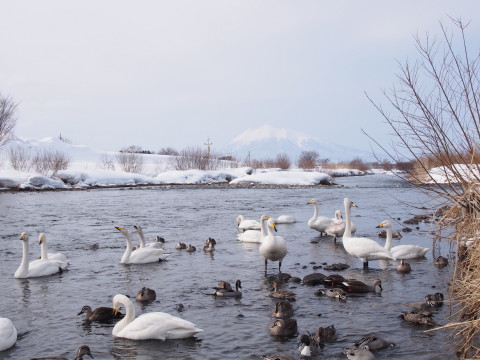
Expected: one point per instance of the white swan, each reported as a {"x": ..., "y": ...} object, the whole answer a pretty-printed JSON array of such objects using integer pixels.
[
  {"x": 142, "y": 255},
  {"x": 255, "y": 236},
  {"x": 337, "y": 227},
  {"x": 35, "y": 268},
  {"x": 401, "y": 252},
  {"x": 59, "y": 258},
  {"x": 363, "y": 248},
  {"x": 285, "y": 219},
  {"x": 155, "y": 244},
  {"x": 244, "y": 224},
  {"x": 8, "y": 334},
  {"x": 153, "y": 325},
  {"x": 319, "y": 223},
  {"x": 273, "y": 248}
]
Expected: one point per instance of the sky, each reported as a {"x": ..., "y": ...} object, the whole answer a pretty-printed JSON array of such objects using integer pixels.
[{"x": 109, "y": 74}]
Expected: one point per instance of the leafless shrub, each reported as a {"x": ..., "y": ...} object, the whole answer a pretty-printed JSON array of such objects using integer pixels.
[
  {"x": 358, "y": 164},
  {"x": 168, "y": 151},
  {"x": 20, "y": 158},
  {"x": 195, "y": 158},
  {"x": 49, "y": 162},
  {"x": 130, "y": 160},
  {"x": 283, "y": 161},
  {"x": 7, "y": 118},
  {"x": 307, "y": 160},
  {"x": 106, "y": 163}
]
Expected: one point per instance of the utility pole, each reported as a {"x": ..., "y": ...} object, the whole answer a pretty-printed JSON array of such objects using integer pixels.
[{"x": 208, "y": 143}]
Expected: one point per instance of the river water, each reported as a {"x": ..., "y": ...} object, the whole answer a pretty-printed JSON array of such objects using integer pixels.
[{"x": 44, "y": 309}]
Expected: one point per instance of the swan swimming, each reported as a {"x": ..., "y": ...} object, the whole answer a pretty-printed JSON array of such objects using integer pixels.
[
  {"x": 363, "y": 248},
  {"x": 153, "y": 325},
  {"x": 255, "y": 236},
  {"x": 141, "y": 255},
  {"x": 285, "y": 219},
  {"x": 35, "y": 268},
  {"x": 245, "y": 224},
  {"x": 319, "y": 223},
  {"x": 401, "y": 252},
  {"x": 59, "y": 258},
  {"x": 8, "y": 334},
  {"x": 273, "y": 248},
  {"x": 154, "y": 244}
]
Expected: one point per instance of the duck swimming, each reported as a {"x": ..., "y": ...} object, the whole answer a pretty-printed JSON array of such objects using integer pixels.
[
  {"x": 81, "y": 352},
  {"x": 227, "y": 290},
  {"x": 146, "y": 294},
  {"x": 100, "y": 314}
]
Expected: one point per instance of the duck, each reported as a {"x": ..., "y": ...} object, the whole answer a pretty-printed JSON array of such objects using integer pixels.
[
  {"x": 283, "y": 309},
  {"x": 337, "y": 227},
  {"x": 359, "y": 354},
  {"x": 155, "y": 244},
  {"x": 100, "y": 314},
  {"x": 246, "y": 224},
  {"x": 146, "y": 294},
  {"x": 333, "y": 280},
  {"x": 180, "y": 246},
  {"x": 401, "y": 251},
  {"x": 44, "y": 255},
  {"x": 356, "y": 286},
  {"x": 209, "y": 245},
  {"x": 363, "y": 248},
  {"x": 190, "y": 248},
  {"x": 152, "y": 325},
  {"x": 325, "y": 334},
  {"x": 441, "y": 261},
  {"x": 434, "y": 300},
  {"x": 285, "y": 219},
  {"x": 319, "y": 223},
  {"x": 227, "y": 290},
  {"x": 8, "y": 334},
  {"x": 273, "y": 248},
  {"x": 373, "y": 342},
  {"x": 308, "y": 346},
  {"x": 255, "y": 236},
  {"x": 142, "y": 255},
  {"x": 35, "y": 268},
  {"x": 418, "y": 316},
  {"x": 284, "y": 328},
  {"x": 404, "y": 267},
  {"x": 282, "y": 294},
  {"x": 81, "y": 352},
  {"x": 336, "y": 293}
]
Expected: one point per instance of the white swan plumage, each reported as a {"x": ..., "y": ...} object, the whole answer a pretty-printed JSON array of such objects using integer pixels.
[
  {"x": 59, "y": 258},
  {"x": 155, "y": 244},
  {"x": 141, "y": 255},
  {"x": 363, "y": 248},
  {"x": 255, "y": 236},
  {"x": 319, "y": 223},
  {"x": 153, "y": 325},
  {"x": 35, "y": 268},
  {"x": 8, "y": 334},
  {"x": 337, "y": 227},
  {"x": 401, "y": 252},
  {"x": 246, "y": 224},
  {"x": 285, "y": 219},
  {"x": 273, "y": 248}
]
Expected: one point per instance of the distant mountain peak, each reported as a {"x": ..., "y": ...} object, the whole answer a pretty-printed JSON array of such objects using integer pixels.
[{"x": 268, "y": 132}]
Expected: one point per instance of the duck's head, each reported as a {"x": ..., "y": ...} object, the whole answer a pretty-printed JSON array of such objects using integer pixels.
[
  {"x": 85, "y": 309},
  {"x": 378, "y": 283},
  {"x": 83, "y": 350}
]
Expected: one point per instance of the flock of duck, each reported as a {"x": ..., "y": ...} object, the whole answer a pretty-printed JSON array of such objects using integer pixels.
[{"x": 163, "y": 326}]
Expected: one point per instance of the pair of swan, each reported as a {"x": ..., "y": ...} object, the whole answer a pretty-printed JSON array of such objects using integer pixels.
[
  {"x": 153, "y": 325},
  {"x": 255, "y": 236},
  {"x": 247, "y": 224},
  {"x": 8, "y": 334},
  {"x": 273, "y": 248},
  {"x": 41, "y": 267},
  {"x": 401, "y": 252},
  {"x": 143, "y": 255},
  {"x": 330, "y": 226},
  {"x": 157, "y": 244}
]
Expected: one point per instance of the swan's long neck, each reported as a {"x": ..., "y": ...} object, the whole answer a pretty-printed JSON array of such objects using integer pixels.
[
  {"x": 128, "y": 250},
  {"x": 315, "y": 210},
  {"x": 142, "y": 237},
  {"x": 22, "y": 270},
  {"x": 43, "y": 251},
  {"x": 388, "y": 242},
  {"x": 129, "y": 313},
  {"x": 348, "y": 221},
  {"x": 263, "y": 230}
]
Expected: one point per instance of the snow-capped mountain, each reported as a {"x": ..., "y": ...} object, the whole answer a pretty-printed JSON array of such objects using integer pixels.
[{"x": 266, "y": 142}]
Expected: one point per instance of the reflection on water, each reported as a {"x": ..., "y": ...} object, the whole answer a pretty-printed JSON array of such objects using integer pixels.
[{"x": 233, "y": 328}]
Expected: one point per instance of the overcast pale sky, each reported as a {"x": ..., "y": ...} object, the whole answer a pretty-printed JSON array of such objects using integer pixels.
[{"x": 109, "y": 74}]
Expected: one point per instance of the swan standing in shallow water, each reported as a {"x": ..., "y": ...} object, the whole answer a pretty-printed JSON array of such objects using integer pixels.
[
  {"x": 35, "y": 268},
  {"x": 141, "y": 255},
  {"x": 273, "y": 248},
  {"x": 153, "y": 325},
  {"x": 255, "y": 236},
  {"x": 363, "y": 248},
  {"x": 319, "y": 223},
  {"x": 401, "y": 252},
  {"x": 245, "y": 224},
  {"x": 8, "y": 334},
  {"x": 59, "y": 258},
  {"x": 155, "y": 244}
]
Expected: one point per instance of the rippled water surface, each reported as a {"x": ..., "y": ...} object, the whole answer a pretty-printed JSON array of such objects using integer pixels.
[{"x": 44, "y": 309}]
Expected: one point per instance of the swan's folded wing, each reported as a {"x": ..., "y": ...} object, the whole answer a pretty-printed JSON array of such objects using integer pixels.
[
  {"x": 408, "y": 252},
  {"x": 42, "y": 268}
]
